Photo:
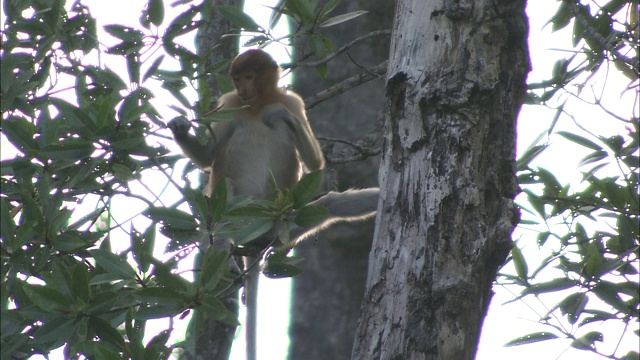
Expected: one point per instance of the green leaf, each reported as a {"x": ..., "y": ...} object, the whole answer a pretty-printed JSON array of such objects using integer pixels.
[
  {"x": 103, "y": 302},
  {"x": 69, "y": 149},
  {"x": 311, "y": 215},
  {"x": 342, "y": 18},
  {"x": 328, "y": 7},
  {"x": 238, "y": 18},
  {"x": 216, "y": 309},
  {"x": 577, "y": 33},
  {"x": 542, "y": 238},
  {"x": 156, "y": 345},
  {"x": 520, "y": 263},
  {"x": 279, "y": 265},
  {"x": 161, "y": 296},
  {"x": 156, "y": 12},
  {"x": 204, "y": 96},
  {"x": 573, "y": 305},
  {"x": 153, "y": 68},
  {"x": 172, "y": 218},
  {"x": 106, "y": 332},
  {"x": 213, "y": 266},
  {"x": 320, "y": 45},
  {"x": 46, "y": 297},
  {"x": 579, "y": 140},
  {"x": 70, "y": 241},
  {"x": 608, "y": 293},
  {"x": 280, "y": 271},
  {"x": 180, "y": 238},
  {"x": 51, "y": 330},
  {"x": 561, "y": 18},
  {"x": 96, "y": 350},
  {"x": 135, "y": 334},
  {"x": 586, "y": 341},
  {"x": 552, "y": 186},
  {"x": 20, "y": 132},
  {"x": 114, "y": 264},
  {"x": 124, "y": 33},
  {"x": 7, "y": 224},
  {"x": 322, "y": 70},
  {"x": 306, "y": 189},
  {"x": 142, "y": 247},
  {"x": 593, "y": 157},
  {"x": 105, "y": 77},
  {"x": 532, "y": 338},
  {"x": 170, "y": 280},
  {"x": 593, "y": 261},
  {"x": 249, "y": 228},
  {"x": 550, "y": 286},
  {"x": 302, "y": 9},
  {"x": 536, "y": 203},
  {"x": 596, "y": 315},
  {"x": 157, "y": 312},
  {"x": 529, "y": 155},
  {"x": 133, "y": 67},
  {"x": 218, "y": 201}
]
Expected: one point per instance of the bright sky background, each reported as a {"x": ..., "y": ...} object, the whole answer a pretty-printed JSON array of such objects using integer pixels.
[{"x": 503, "y": 323}]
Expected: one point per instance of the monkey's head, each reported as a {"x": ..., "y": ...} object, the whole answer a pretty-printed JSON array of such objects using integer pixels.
[{"x": 255, "y": 76}]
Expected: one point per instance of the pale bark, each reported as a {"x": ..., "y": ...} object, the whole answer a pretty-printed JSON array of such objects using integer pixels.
[{"x": 455, "y": 82}]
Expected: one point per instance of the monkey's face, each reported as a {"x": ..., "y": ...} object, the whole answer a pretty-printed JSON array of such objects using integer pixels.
[{"x": 245, "y": 84}]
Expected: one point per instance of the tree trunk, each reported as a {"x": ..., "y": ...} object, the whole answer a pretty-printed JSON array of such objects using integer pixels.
[
  {"x": 213, "y": 339},
  {"x": 327, "y": 296},
  {"x": 455, "y": 82}
]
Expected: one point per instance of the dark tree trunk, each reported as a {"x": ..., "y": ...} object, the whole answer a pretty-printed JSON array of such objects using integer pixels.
[
  {"x": 326, "y": 297},
  {"x": 455, "y": 83},
  {"x": 213, "y": 340}
]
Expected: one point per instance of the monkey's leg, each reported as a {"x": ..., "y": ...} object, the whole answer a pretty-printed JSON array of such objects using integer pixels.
[{"x": 347, "y": 206}]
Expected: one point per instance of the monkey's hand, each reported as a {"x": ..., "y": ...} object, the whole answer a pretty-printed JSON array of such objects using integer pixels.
[
  {"x": 179, "y": 126},
  {"x": 275, "y": 115}
]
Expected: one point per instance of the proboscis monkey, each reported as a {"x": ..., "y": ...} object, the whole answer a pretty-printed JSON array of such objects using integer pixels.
[{"x": 270, "y": 136}]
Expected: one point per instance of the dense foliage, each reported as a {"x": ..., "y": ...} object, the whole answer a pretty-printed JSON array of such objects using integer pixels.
[
  {"x": 589, "y": 230},
  {"x": 86, "y": 137}
]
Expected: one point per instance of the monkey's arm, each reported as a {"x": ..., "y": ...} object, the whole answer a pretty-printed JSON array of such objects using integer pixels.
[
  {"x": 292, "y": 114},
  {"x": 201, "y": 155}
]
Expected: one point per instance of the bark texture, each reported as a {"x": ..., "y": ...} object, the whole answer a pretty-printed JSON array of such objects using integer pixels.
[
  {"x": 327, "y": 296},
  {"x": 455, "y": 83}
]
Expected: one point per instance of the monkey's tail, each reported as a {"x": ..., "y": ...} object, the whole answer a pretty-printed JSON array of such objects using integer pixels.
[{"x": 251, "y": 303}]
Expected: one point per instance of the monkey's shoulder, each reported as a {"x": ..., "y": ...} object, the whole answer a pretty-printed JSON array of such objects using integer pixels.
[
  {"x": 290, "y": 97},
  {"x": 294, "y": 103}
]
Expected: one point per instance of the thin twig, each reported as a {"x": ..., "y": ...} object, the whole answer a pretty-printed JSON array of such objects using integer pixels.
[
  {"x": 346, "y": 85},
  {"x": 338, "y": 52}
]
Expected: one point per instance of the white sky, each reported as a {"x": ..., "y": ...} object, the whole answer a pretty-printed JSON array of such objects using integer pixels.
[{"x": 503, "y": 323}]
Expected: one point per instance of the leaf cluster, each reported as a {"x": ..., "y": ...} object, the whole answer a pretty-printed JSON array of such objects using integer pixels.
[
  {"x": 599, "y": 37},
  {"x": 588, "y": 265},
  {"x": 309, "y": 20},
  {"x": 83, "y": 136}
]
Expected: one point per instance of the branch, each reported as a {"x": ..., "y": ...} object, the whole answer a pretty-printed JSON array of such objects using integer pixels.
[
  {"x": 362, "y": 149},
  {"x": 338, "y": 52},
  {"x": 346, "y": 85}
]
